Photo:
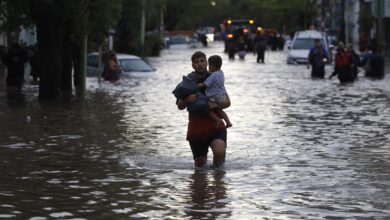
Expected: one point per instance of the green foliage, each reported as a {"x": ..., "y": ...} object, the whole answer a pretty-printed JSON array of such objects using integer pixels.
[
  {"x": 189, "y": 15},
  {"x": 102, "y": 16},
  {"x": 13, "y": 14},
  {"x": 191, "y": 19},
  {"x": 128, "y": 29},
  {"x": 365, "y": 19},
  {"x": 127, "y": 32},
  {"x": 153, "y": 44},
  {"x": 92, "y": 16}
]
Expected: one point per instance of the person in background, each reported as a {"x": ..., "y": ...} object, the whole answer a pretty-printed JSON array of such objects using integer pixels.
[
  {"x": 375, "y": 65},
  {"x": 241, "y": 47},
  {"x": 366, "y": 56},
  {"x": 317, "y": 58},
  {"x": 3, "y": 53},
  {"x": 231, "y": 48},
  {"x": 355, "y": 60},
  {"x": 202, "y": 132},
  {"x": 112, "y": 69},
  {"x": 260, "y": 47},
  {"x": 34, "y": 63},
  {"x": 203, "y": 39},
  {"x": 343, "y": 65},
  {"x": 15, "y": 60}
]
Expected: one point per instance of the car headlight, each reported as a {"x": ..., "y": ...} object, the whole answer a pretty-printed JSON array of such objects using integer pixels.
[{"x": 291, "y": 60}]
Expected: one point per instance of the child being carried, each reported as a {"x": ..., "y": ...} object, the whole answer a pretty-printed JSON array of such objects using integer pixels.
[{"x": 218, "y": 98}]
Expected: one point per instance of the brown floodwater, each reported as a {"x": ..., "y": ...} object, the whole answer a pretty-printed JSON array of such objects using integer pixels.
[{"x": 299, "y": 148}]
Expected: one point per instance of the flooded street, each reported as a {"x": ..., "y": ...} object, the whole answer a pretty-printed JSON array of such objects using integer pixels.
[{"x": 299, "y": 148}]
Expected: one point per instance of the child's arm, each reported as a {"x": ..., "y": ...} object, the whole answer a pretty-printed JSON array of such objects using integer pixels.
[{"x": 201, "y": 85}]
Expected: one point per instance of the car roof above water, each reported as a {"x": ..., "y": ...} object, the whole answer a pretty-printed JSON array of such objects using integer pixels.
[
  {"x": 119, "y": 55},
  {"x": 129, "y": 56},
  {"x": 309, "y": 34}
]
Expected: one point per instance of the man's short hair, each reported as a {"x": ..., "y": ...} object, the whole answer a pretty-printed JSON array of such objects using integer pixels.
[
  {"x": 216, "y": 61},
  {"x": 197, "y": 55}
]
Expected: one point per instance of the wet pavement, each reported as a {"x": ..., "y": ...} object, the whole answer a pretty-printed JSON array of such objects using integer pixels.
[{"x": 299, "y": 148}]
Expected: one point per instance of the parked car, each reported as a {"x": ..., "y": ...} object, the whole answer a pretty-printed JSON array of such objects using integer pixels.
[
  {"x": 181, "y": 42},
  {"x": 132, "y": 66},
  {"x": 301, "y": 44}
]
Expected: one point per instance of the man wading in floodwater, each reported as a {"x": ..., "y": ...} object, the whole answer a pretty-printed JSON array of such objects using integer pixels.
[
  {"x": 317, "y": 58},
  {"x": 202, "y": 132}
]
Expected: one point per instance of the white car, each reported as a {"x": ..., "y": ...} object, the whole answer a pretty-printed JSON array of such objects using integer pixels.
[
  {"x": 132, "y": 66},
  {"x": 301, "y": 44},
  {"x": 180, "y": 42}
]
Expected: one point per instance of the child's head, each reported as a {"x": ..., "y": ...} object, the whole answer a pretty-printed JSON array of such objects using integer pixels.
[{"x": 215, "y": 63}]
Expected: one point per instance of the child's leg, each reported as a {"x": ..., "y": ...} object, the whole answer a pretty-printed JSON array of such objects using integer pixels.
[
  {"x": 215, "y": 117},
  {"x": 222, "y": 102},
  {"x": 225, "y": 118}
]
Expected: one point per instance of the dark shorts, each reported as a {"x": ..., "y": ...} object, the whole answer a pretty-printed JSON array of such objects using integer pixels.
[
  {"x": 318, "y": 71},
  {"x": 201, "y": 147}
]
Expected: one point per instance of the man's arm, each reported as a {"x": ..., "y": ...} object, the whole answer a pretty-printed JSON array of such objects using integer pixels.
[
  {"x": 309, "y": 58},
  {"x": 326, "y": 54},
  {"x": 183, "y": 103},
  {"x": 308, "y": 61}
]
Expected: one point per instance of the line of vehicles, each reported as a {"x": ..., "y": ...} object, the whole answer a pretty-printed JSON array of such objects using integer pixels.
[
  {"x": 246, "y": 30},
  {"x": 233, "y": 31}
]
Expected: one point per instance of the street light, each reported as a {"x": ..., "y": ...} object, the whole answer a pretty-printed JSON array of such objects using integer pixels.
[{"x": 111, "y": 33}]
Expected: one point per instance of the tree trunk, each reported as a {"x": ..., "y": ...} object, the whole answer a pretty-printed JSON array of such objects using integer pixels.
[
  {"x": 66, "y": 85},
  {"x": 80, "y": 88},
  {"x": 76, "y": 57},
  {"x": 49, "y": 29}
]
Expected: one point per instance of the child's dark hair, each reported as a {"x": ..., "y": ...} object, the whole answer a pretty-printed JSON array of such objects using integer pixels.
[
  {"x": 216, "y": 61},
  {"x": 197, "y": 55}
]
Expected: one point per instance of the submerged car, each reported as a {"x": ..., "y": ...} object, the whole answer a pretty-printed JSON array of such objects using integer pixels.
[
  {"x": 132, "y": 66},
  {"x": 301, "y": 44},
  {"x": 181, "y": 42}
]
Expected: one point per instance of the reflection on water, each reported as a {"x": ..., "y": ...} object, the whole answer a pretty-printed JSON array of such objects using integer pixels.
[
  {"x": 299, "y": 148},
  {"x": 208, "y": 196}
]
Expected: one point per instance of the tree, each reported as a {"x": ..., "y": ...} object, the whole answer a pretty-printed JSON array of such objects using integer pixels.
[
  {"x": 54, "y": 27},
  {"x": 61, "y": 26},
  {"x": 189, "y": 15},
  {"x": 13, "y": 14},
  {"x": 127, "y": 36}
]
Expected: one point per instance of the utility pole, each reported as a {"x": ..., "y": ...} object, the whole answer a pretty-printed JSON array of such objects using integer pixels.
[
  {"x": 80, "y": 87},
  {"x": 322, "y": 15},
  {"x": 380, "y": 24},
  {"x": 162, "y": 20},
  {"x": 142, "y": 40},
  {"x": 306, "y": 12},
  {"x": 346, "y": 21}
]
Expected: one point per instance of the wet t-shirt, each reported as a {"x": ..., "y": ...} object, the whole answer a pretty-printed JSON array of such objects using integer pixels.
[
  {"x": 201, "y": 127},
  {"x": 215, "y": 84}
]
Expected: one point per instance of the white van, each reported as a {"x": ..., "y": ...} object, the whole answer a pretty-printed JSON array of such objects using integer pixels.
[{"x": 301, "y": 44}]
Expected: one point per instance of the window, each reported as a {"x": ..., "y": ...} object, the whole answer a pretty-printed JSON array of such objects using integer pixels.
[
  {"x": 135, "y": 65},
  {"x": 305, "y": 43},
  {"x": 92, "y": 60}
]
